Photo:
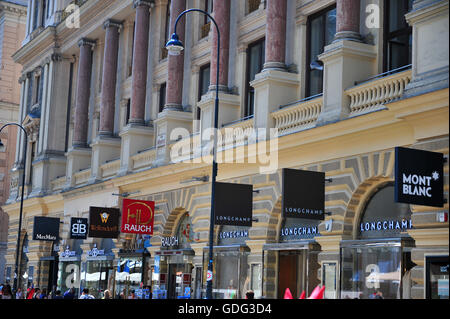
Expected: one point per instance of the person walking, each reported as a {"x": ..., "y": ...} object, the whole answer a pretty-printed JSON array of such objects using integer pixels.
[
  {"x": 43, "y": 294},
  {"x": 19, "y": 294},
  {"x": 107, "y": 294},
  {"x": 57, "y": 295},
  {"x": 85, "y": 294},
  {"x": 6, "y": 292},
  {"x": 69, "y": 294}
]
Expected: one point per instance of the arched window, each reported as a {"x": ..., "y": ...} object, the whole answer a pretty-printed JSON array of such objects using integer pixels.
[{"x": 383, "y": 217}]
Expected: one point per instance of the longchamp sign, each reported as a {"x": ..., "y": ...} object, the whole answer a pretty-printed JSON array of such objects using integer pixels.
[
  {"x": 419, "y": 177},
  {"x": 303, "y": 194},
  {"x": 233, "y": 204}
]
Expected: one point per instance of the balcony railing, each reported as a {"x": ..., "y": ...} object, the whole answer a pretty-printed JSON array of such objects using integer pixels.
[
  {"x": 234, "y": 133},
  {"x": 110, "y": 168},
  {"x": 373, "y": 94},
  {"x": 144, "y": 159},
  {"x": 298, "y": 116},
  {"x": 82, "y": 176}
]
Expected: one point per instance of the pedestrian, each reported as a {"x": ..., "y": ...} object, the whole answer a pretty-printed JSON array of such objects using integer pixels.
[
  {"x": 19, "y": 293},
  {"x": 43, "y": 294},
  {"x": 6, "y": 292},
  {"x": 37, "y": 293},
  {"x": 123, "y": 294},
  {"x": 85, "y": 294},
  {"x": 250, "y": 294},
  {"x": 379, "y": 295},
  {"x": 69, "y": 294},
  {"x": 132, "y": 295},
  {"x": 57, "y": 295},
  {"x": 107, "y": 294}
]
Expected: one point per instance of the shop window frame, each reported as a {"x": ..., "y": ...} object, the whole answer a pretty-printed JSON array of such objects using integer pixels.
[
  {"x": 388, "y": 36},
  {"x": 428, "y": 260}
]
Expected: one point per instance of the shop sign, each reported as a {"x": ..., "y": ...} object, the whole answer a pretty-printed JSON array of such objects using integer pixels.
[
  {"x": 46, "y": 228},
  {"x": 171, "y": 241},
  {"x": 419, "y": 177},
  {"x": 233, "y": 204},
  {"x": 95, "y": 252},
  {"x": 78, "y": 228},
  {"x": 299, "y": 231},
  {"x": 303, "y": 194},
  {"x": 67, "y": 253},
  {"x": 103, "y": 222},
  {"x": 137, "y": 216},
  {"x": 233, "y": 234},
  {"x": 386, "y": 225}
]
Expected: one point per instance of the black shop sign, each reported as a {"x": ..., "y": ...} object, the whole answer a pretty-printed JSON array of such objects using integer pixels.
[
  {"x": 303, "y": 194},
  {"x": 78, "y": 228},
  {"x": 233, "y": 204},
  {"x": 419, "y": 177},
  {"x": 104, "y": 222},
  {"x": 46, "y": 228}
]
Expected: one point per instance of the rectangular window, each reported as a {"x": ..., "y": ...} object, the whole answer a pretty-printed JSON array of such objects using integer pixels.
[
  {"x": 255, "y": 63},
  {"x": 162, "y": 96},
  {"x": 207, "y": 21},
  {"x": 321, "y": 31},
  {"x": 127, "y": 116},
  {"x": 203, "y": 86},
  {"x": 397, "y": 35}
]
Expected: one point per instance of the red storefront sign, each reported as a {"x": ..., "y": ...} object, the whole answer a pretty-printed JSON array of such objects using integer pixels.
[{"x": 137, "y": 216}]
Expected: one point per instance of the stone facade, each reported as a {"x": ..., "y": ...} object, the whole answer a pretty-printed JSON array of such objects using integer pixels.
[
  {"x": 104, "y": 129},
  {"x": 12, "y": 32}
]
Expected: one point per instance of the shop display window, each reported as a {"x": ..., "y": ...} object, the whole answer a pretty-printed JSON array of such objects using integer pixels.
[
  {"x": 69, "y": 276},
  {"x": 371, "y": 272},
  {"x": 128, "y": 275},
  {"x": 437, "y": 275},
  {"x": 97, "y": 276}
]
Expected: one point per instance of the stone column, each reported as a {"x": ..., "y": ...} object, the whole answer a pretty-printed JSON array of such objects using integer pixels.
[
  {"x": 346, "y": 60},
  {"x": 276, "y": 34},
  {"x": 81, "y": 120},
  {"x": 140, "y": 57},
  {"x": 347, "y": 20},
  {"x": 174, "y": 92},
  {"x": 222, "y": 17},
  {"x": 109, "y": 77}
]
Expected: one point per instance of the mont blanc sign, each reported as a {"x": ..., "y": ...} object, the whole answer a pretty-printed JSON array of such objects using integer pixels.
[{"x": 419, "y": 177}]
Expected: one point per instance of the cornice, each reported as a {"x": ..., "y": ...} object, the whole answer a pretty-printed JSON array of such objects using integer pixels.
[{"x": 13, "y": 8}]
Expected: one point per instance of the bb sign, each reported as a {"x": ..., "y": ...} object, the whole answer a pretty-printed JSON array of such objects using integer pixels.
[{"x": 419, "y": 177}]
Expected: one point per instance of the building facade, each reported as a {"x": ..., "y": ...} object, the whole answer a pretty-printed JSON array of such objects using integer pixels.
[
  {"x": 111, "y": 115},
  {"x": 12, "y": 32}
]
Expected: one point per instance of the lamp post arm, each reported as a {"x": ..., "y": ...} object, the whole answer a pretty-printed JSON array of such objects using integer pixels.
[{"x": 16, "y": 270}]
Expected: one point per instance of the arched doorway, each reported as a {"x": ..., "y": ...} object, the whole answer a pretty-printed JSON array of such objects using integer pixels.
[{"x": 376, "y": 263}]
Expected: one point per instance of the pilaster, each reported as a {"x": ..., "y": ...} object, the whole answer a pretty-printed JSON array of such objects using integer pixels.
[{"x": 344, "y": 62}]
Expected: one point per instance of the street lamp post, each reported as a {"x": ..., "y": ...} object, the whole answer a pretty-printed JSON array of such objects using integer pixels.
[
  {"x": 16, "y": 270},
  {"x": 174, "y": 46}
]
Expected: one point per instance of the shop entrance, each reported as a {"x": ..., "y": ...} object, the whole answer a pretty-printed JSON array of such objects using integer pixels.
[
  {"x": 291, "y": 272},
  {"x": 179, "y": 281}
]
